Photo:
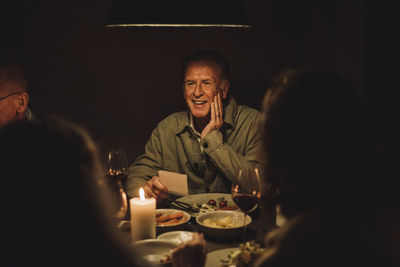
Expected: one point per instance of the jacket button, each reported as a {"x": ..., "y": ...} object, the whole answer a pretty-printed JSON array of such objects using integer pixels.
[{"x": 205, "y": 145}]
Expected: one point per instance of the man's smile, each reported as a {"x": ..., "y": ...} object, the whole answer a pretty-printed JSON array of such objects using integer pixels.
[{"x": 199, "y": 102}]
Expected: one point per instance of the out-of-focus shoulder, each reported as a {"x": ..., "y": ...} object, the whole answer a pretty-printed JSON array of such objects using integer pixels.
[
  {"x": 248, "y": 110},
  {"x": 247, "y": 114}
]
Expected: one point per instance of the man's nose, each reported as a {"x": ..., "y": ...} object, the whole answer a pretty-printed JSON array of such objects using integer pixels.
[{"x": 198, "y": 91}]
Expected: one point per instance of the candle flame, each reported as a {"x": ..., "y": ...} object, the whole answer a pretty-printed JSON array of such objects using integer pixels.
[
  {"x": 141, "y": 194},
  {"x": 236, "y": 189}
]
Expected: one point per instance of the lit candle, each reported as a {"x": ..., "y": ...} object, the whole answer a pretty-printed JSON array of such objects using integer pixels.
[{"x": 143, "y": 214}]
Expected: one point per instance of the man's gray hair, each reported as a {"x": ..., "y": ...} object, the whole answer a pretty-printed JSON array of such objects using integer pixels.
[{"x": 207, "y": 55}]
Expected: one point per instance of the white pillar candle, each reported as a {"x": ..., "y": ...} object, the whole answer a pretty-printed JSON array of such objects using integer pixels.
[{"x": 143, "y": 217}]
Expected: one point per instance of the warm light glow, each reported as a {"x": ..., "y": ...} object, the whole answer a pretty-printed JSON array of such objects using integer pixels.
[
  {"x": 259, "y": 182},
  {"x": 141, "y": 194},
  {"x": 236, "y": 189}
]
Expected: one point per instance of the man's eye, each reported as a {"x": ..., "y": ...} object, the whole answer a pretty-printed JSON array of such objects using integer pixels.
[{"x": 189, "y": 83}]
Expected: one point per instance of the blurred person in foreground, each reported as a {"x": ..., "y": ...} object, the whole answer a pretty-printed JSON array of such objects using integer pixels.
[
  {"x": 319, "y": 152},
  {"x": 210, "y": 142},
  {"x": 57, "y": 207},
  {"x": 14, "y": 97}
]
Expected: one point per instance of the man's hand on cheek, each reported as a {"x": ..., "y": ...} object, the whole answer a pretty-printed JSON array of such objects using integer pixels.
[{"x": 216, "y": 120}]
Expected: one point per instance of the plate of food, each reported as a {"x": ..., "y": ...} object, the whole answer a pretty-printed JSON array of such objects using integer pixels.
[
  {"x": 171, "y": 217},
  {"x": 208, "y": 202},
  {"x": 244, "y": 255}
]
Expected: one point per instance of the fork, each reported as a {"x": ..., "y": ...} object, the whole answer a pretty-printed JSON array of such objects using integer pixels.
[{"x": 184, "y": 205}]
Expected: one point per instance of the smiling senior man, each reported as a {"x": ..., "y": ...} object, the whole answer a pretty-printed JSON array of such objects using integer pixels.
[{"x": 209, "y": 143}]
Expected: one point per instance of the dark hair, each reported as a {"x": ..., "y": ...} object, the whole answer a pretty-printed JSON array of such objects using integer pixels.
[
  {"x": 59, "y": 205},
  {"x": 12, "y": 78},
  {"x": 207, "y": 55},
  {"x": 316, "y": 141}
]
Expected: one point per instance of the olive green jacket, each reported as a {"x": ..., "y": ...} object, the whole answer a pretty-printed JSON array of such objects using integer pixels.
[{"x": 173, "y": 146}]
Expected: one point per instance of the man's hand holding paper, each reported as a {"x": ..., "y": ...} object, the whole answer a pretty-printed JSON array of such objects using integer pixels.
[
  {"x": 156, "y": 188},
  {"x": 166, "y": 182}
]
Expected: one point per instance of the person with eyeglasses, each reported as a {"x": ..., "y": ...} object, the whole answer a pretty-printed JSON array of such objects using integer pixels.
[
  {"x": 14, "y": 97},
  {"x": 210, "y": 142}
]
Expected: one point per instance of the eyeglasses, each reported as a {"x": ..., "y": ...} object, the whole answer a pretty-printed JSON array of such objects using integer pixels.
[{"x": 15, "y": 93}]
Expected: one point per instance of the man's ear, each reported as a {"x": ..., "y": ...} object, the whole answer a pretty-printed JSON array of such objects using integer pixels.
[
  {"x": 23, "y": 99},
  {"x": 225, "y": 89}
]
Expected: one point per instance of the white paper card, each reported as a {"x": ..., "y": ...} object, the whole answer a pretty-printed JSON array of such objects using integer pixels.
[{"x": 175, "y": 182}]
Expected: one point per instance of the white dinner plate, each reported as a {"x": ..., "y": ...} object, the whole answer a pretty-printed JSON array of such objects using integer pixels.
[
  {"x": 178, "y": 237},
  {"x": 154, "y": 252},
  {"x": 199, "y": 199},
  {"x": 214, "y": 258}
]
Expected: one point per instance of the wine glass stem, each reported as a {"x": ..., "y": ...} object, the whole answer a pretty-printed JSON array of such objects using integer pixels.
[{"x": 244, "y": 228}]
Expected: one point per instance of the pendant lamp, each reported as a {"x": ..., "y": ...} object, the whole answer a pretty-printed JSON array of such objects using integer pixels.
[{"x": 178, "y": 13}]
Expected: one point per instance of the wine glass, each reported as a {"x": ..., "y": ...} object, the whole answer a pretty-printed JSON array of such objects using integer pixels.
[
  {"x": 116, "y": 167},
  {"x": 246, "y": 191}
]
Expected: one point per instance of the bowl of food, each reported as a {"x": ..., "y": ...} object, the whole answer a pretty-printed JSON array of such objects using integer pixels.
[
  {"x": 222, "y": 224},
  {"x": 171, "y": 218},
  {"x": 154, "y": 252}
]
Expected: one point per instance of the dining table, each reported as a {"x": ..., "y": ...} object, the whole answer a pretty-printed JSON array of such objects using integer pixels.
[{"x": 263, "y": 221}]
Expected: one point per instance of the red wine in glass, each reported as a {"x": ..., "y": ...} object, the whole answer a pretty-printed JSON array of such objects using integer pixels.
[
  {"x": 246, "y": 190},
  {"x": 246, "y": 202},
  {"x": 116, "y": 168}
]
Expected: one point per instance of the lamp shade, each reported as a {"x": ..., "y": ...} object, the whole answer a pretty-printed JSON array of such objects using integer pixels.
[{"x": 178, "y": 13}]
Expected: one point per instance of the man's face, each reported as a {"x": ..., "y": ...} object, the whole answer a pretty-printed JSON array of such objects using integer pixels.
[
  {"x": 202, "y": 82},
  {"x": 10, "y": 108}
]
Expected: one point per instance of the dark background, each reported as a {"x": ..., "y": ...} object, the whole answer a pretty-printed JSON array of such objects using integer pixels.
[{"x": 119, "y": 83}]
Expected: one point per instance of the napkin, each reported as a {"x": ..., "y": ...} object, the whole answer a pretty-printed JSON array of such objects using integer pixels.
[{"x": 176, "y": 182}]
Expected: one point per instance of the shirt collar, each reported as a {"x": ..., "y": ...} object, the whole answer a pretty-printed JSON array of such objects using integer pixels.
[{"x": 191, "y": 124}]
